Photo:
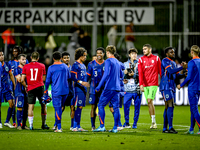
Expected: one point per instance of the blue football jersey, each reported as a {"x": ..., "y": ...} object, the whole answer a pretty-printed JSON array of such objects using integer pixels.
[
  {"x": 71, "y": 88},
  {"x": 78, "y": 72},
  {"x": 19, "y": 90},
  {"x": 95, "y": 72},
  {"x": 5, "y": 78},
  {"x": 122, "y": 79}
]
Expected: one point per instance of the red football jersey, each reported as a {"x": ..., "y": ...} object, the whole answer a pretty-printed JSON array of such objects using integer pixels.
[{"x": 34, "y": 72}]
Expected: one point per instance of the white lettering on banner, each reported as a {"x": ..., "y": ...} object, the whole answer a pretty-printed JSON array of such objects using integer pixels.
[
  {"x": 82, "y": 16},
  {"x": 181, "y": 98}
]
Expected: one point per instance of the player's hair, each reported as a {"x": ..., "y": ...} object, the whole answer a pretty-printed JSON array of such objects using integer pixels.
[
  {"x": 79, "y": 52},
  {"x": 57, "y": 55},
  {"x": 167, "y": 49},
  {"x": 19, "y": 49},
  {"x": 21, "y": 55},
  {"x": 65, "y": 54},
  {"x": 132, "y": 50},
  {"x": 117, "y": 56},
  {"x": 111, "y": 49},
  {"x": 195, "y": 49},
  {"x": 35, "y": 55},
  {"x": 101, "y": 49},
  {"x": 147, "y": 45},
  {"x": 1, "y": 50}
]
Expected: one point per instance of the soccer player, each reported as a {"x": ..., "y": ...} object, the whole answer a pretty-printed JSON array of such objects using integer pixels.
[
  {"x": 0, "y": 94},
  {"x": 168, "y": 87},
  {"x": 58, "y": 75},
  {"x": 149, "y": 66},
  {"x": 20, "y": 93},
  {"x": 95, "y": 72},
  {"x": 193, "y": 80},
  {"x": 131, "y": 85},
  {"x": 111, "y": 92},
  {"x": 34, "y": 73},
  {"x": 70, "y": 98},
  {"x": 7, "y": 92},
  {"x": 79, "y": 76}
]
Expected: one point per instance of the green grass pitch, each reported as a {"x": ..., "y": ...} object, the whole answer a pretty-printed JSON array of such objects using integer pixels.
[{"x": 141, "y": 138}]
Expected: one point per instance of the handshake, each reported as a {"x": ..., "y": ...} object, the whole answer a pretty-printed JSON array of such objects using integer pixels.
[{"x": 46, "y": 98}]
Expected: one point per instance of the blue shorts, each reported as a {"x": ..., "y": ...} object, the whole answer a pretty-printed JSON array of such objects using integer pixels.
[
  {"x": 59, "y": 101},
  {"x": 7, "y": 96},
  {"x": 19, "y": 101},
  {"x": 80, "y": 99},
  {"x": 94, "y": 98},
  {"x": 69, "y": 100},
  {"x": 193, "y": 97},
  {"x": 168, "y": 95},
  {"x": 109, "y": 96}
]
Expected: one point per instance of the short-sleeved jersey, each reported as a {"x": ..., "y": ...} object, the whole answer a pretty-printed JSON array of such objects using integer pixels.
[
  {"x": 78, "y": 72},
  {"x": 5, "y": 77},
  {"x": 95, "y": 72},
  {"x": 34, "y": 72},
  {"x": 58, "y": 75},
  {"x": 19, "y": 90},
  {"x": 169, "y": 74},
  {"x": 112, "y": 75}
]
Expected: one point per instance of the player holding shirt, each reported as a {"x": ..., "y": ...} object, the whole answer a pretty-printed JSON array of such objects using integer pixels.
[
  {"x": 34, "y": 73},
  {"x": 58, "y": 75},
  {"x": 79, "y": 76},
  {"x": 168, "y": 87},
  {"x": 20, "y": 93},
  {"x": 193, "y": 80},
  {"x": 95, "y": 72},
  {"x": 111, "y": 80},
  {"x": 149, "y": 66},
  {"x": 7, "y": 92}
]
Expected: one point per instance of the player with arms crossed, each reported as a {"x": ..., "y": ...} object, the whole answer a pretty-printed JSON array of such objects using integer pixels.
[
  {"x": 7, "y": 91},
  {"x": 79, "y": 76},
  {"x": 149, "y": 66},
  {"x": 95, "y": 72},
  {"x": 168, "y": 87},
  {"x": 111, "y": 92},
  {"x": 35, "y": 74},
  {"x": 193, "y": 80},
  {"x": 58, "y": 75}
]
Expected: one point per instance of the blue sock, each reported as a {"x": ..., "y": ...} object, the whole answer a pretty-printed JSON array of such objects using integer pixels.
[
  {"x": 165, "y": 120},
  {"x": 19, "y": 117},
  {"x": 101, "y": 116},
  {"x": 13, "y": 115},
  {"x": 170, "y": 112},
  {"x": 126, "y": 112},
  {"x": 116, "y": 117},
  {"x": 119, "y": 121},
  {"x": 92, "y": 121},
  {"x": 72, "y": 122},
  {"x": 192, "y": 119},
  {"x": 9, "y": 113},
  {"x": 78, "y": 116},
  {"x": 58, "y": 115}
]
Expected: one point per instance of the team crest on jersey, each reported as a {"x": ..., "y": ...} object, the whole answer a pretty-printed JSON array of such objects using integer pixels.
[
  {"x": 152, "y": 61},
  {"x": 7, "y": 69}
]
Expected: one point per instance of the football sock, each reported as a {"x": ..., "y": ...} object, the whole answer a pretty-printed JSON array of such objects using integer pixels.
[
  {"x": 30, "y": 120},
  {"x": 101, "y": 116},
  {"x": 192, "y": 122},
  {"x": 13, "y": 114},
  {"x": 19, "y": 117},
  {"x": 58, "y": 115},
  {"x": 195, "y": 112},
  {"x": 72, "y": 122},
  {"x": 153, "y": 118},
  {"x": 22, "y": 112},
  {"x": 116, "y": 118},
  {"x": 170, "y": 112},
  {"x": 165, "y": 120},
  {"x": 9, "y": 113},
  {"x": 92, "y": 122},
  {"x": 78, "y": 116},
  {"x": 43, "y": 119},
  {"x": 119, "y": 121}
]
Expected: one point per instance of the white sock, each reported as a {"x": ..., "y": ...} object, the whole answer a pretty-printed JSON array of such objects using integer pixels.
[
  {"x": 30, "y": 120},
  {"x": 153, "y": 118}
]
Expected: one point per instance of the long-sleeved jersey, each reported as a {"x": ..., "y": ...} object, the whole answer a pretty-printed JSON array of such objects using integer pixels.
[
  {"x": 169, "y": 73},
  {"x": 112, "y": 75},
  {"x": 5, "y": 78},
  {"x": 58, "y": 75},
  {"x": 149, "y": 67},
  {"x": 78, "y": 72},
  {"x": 193, "y": 76},
  {"x": 95, "y": 72}
]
